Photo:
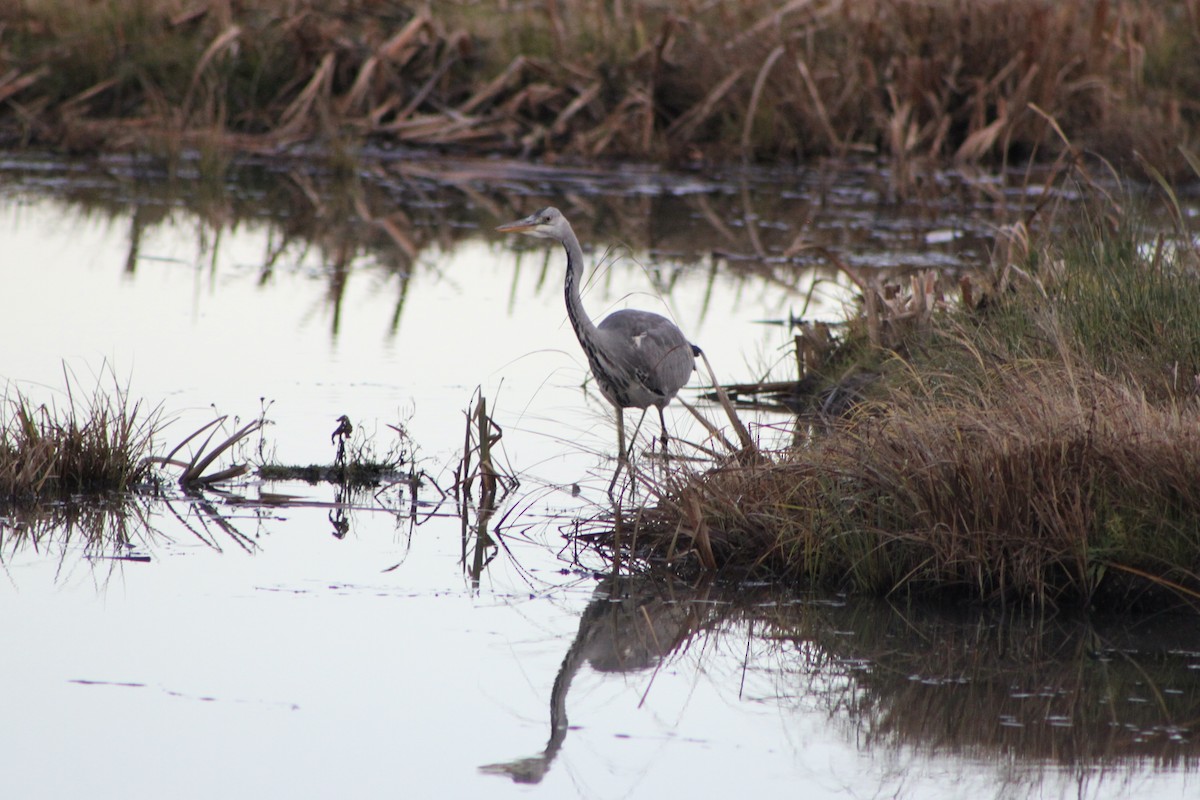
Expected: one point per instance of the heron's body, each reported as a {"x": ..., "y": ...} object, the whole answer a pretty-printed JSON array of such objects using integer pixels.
[{"x": 639, "y": 358}]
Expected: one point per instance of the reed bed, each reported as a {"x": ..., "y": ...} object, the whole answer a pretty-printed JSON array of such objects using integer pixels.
[
  {"x": 689, "y": 82},
  {"x": 1041, "y": 446}
]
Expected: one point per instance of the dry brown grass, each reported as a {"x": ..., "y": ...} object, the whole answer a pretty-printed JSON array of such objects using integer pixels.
[
  {"x": 90, "y": 444},
  {"x": 101, "y": 444},
  {"x": 902, "y": 78},
  {"x": 1030, "y": 490},
  {"x": 1042, "y": 446},
  {"x": 1047, "y": 487}
]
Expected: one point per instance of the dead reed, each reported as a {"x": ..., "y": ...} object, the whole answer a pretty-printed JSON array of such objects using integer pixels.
[
  {"x": 685, "y": 81},
  {"x": 194, "y": 471},
  {"x": 1041, "y": 446},
  {"x": 480, "y": 464}
]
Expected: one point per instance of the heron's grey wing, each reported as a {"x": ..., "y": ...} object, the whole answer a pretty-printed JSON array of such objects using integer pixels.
[{"x": 651, "y": 350}]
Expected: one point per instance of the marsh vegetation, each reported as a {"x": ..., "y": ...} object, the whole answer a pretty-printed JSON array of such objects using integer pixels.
[{"x": 688, "y": 82}]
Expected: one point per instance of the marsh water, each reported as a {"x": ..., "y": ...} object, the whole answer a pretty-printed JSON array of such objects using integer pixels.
[{"x": 273, "y": 639}]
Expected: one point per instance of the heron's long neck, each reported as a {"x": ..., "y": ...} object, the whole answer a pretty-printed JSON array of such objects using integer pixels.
[{"x": 580, "y": 321}]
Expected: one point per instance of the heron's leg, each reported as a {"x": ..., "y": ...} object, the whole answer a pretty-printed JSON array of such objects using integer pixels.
[
  {"x": 622, "y": 457},
  {"x": 663, "y": 421}
]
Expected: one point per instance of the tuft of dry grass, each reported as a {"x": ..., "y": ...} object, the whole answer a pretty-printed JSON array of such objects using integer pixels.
[{"x": 90, "y": 444}]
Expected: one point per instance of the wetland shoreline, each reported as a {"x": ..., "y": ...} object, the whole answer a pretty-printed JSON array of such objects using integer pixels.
[{"x": 1024, "y": 433}]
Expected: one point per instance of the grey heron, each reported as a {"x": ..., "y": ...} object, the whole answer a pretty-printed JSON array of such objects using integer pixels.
[{"x": 640, "y": 359}]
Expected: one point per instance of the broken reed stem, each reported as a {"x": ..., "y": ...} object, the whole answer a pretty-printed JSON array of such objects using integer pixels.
[
  {"x": 464, "y": 475},
  {"x": 192, "y": 473},
  {"x": 195, "y": 474},
  {"x": 487, "y": 473},
  {"x": 748, "y": 445},
  {"x": 480, "y": 438}
]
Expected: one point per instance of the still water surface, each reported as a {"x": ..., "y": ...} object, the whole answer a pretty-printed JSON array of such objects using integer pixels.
[{"x": 241, "y": 649}]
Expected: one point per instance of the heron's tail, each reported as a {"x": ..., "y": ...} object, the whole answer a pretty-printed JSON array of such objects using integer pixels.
[{"x": 696, "y": 351}]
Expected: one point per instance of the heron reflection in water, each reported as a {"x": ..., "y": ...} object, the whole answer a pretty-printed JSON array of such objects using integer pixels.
[{"x": 631, "y": 625}]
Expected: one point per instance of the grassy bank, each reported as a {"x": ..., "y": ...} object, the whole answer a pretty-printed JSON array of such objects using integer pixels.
[
  {"x": 686, "y": 82},
  {"x": 1039, "y": 444}
]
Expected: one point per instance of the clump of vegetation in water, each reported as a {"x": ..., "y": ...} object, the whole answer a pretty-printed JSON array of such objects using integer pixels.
[
  {"x": 86, "y": 445},
  {"x": 356, "y": 462},
  {"x": 1039, "y": 443},
  {"x": 102, "y": 445},
  {"x": 685, "y": 81}
]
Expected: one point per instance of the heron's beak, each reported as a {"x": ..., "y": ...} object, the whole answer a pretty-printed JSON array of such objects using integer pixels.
[{"x": 519, "y": 226}]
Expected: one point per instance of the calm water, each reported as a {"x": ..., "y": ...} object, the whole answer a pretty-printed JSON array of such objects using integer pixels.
[{"x": 239, "y": 648}]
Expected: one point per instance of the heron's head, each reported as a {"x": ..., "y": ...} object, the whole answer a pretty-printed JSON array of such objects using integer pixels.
[{"x": 549, "y": 223}]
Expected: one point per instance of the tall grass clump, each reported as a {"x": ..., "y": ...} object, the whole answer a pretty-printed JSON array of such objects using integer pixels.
[
  {"x": 1132, "y": 303},
  {"x": 1041, "y": 447},
  {"x": 87, "y": 445}
]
